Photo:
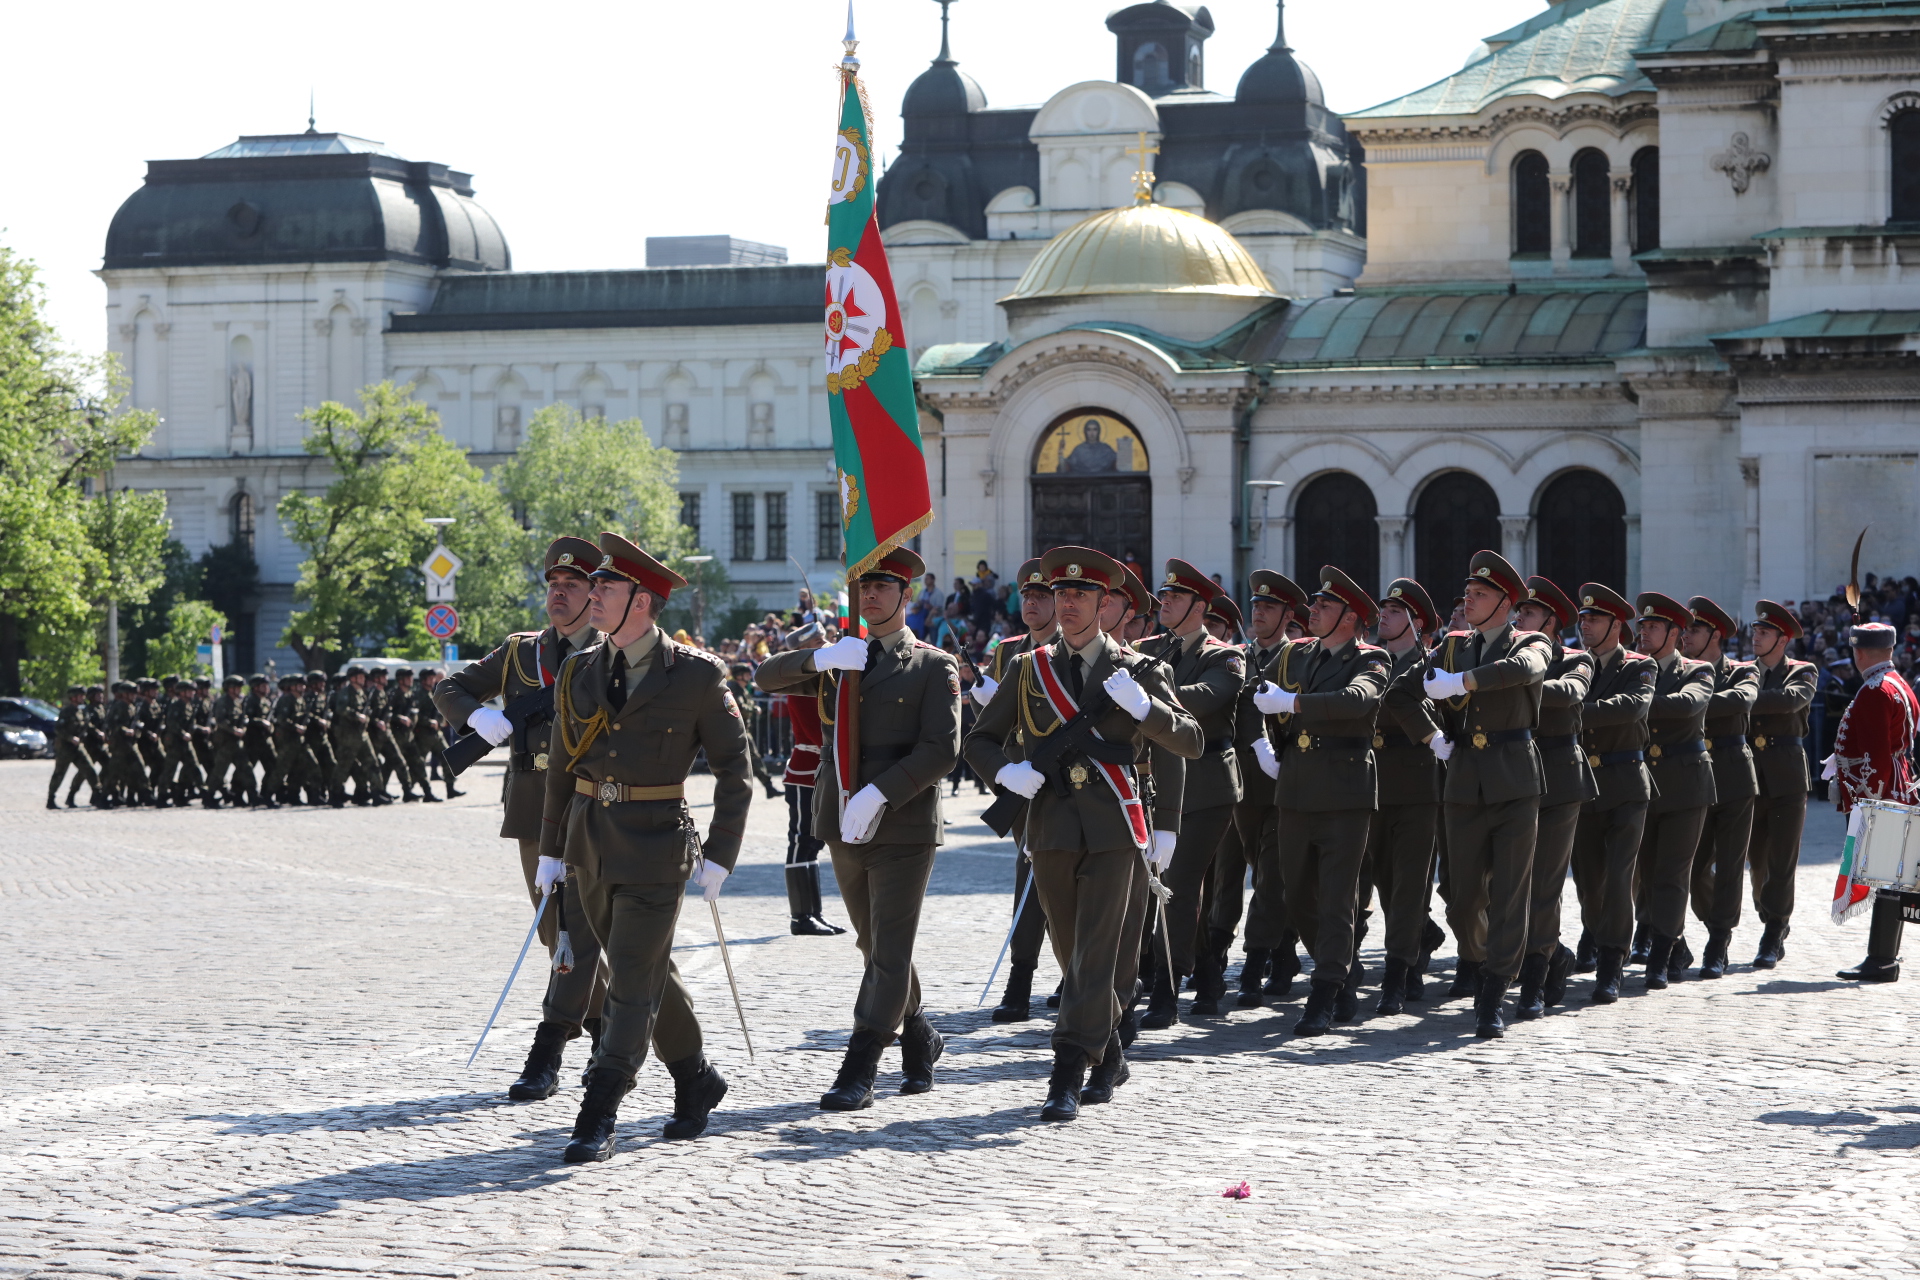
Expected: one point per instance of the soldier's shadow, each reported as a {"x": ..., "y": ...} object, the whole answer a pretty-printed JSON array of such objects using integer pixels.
[
  {"x": 411, "y": 1113},
  {"x": 1870, "y": 1132},
  {"x": 944, "y": 1133},
  {"x": 1788, "y": 987}
]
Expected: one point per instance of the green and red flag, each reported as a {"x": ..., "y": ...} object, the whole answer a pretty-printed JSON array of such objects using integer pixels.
[{"x": 884, "y": 495}]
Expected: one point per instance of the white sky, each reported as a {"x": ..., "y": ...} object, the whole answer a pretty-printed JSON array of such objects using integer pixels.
[{"x": 588, "y": 126}]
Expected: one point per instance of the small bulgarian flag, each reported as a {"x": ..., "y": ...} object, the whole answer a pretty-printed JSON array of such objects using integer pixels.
[
  {"x": 1850, "y": 897},
  {"x": 885, "y": 498}
]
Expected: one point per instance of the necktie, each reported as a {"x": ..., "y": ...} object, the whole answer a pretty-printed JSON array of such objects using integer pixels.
[
  {"x": 1474, "y": 650},
  {"x": 873, "y": 653},
  {"x": 1077, "y": 673},
  {"x": 617, "y": 687}
]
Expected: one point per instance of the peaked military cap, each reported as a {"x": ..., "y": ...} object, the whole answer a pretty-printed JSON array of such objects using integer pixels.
[
  {"x": 1661, "y": 608},
  {"x": 1712, "y": 615},
  {"x": 1141, "y": 598},
  {"x": 1407, "y": 592},
  {"x": 620, "y": 560},
  {"x": 1545, "y": 592},
  {"x": 1336, "y": 585},
  {"x": 1779, "y": 617},
  {"x": 1083, "y": 567},
  {"x": 1182, "y": 576},
  {"x": 1598, "y": 598},
  {"x": 570, "y": 555},
  {"x": 1225, "y": 609},
  {"x": 1492, "y": 567},
  {"x": 1032, "y": 576},
  {"x": 902, "y": 563},
  {"x": 1265, "y": 584}
]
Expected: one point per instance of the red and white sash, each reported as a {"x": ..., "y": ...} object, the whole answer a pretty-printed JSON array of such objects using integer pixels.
[
  {"x": 1119, "y": 777},
  {"x": 846, "y": 769}
]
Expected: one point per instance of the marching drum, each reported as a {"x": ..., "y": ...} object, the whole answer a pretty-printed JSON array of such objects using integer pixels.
[{"x": 1886, "y": 853}]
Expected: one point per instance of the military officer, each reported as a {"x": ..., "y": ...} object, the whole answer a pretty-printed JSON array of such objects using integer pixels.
[
  {"x": 1224, "y": 620},
  {"x": 1779, "y": 730},
  {"x": 883, "y": 824},
  {"x": 1325, "y": 694},
  {"x": 1569, "y": 780},
  {"x": 526, "y": 662},
  {"x": 1208, "y": 678},
  {"x": 1486, "y": 684},
  {"x": 1030, "y": 930},
  {"x": 1087, "y": 826},
  {"x": 630, "y": 715},
  {"x": 1719, "y": 864},
  {"x": 70, "y": 750},
  {"x": 1873, "y": 760},
  {"x": 1400, "y": 836},
  {"x": 1683, "y": 789}
]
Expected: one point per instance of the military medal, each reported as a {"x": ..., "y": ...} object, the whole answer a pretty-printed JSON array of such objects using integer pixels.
[{"x": 1379, "y": 741}]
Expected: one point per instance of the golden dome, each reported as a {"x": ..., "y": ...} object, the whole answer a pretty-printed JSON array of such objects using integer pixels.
[{"x": 1143, "y": 248}]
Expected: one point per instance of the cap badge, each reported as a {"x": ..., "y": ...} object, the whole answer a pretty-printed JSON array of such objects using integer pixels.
[
  {"x": 1586, "y": 599},
  {"x": 1172, "y": 577},
  {"x": 1263, "y": 590},
  {"x": 1036, "y": 576},
  {"x": 566, "y": 557},
  {"x": 1483, "y": 572},
  {"x": 1073, "y": 571},
  {"x": 606, "y": 561},
  {"x": 1395, "y": 593}
]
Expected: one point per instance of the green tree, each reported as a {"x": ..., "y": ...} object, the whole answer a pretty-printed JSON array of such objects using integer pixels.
[
  {"x": 365, "y": 536},
  {"x": 142, "y": 623},
  {"x": 580, "y": 476},
  {"x": 190, "y": 624}
]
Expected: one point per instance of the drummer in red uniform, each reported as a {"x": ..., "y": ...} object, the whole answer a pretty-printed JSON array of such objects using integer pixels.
[
  {"x": 1872, "y": 760},
  {"x": 803, "y": 762}
]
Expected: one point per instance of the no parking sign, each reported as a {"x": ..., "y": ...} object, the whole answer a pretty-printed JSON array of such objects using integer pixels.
[{"x": 442, "y": 621}]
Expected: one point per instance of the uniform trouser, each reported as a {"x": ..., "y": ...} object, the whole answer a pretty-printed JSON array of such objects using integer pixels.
[
  {"x": 1087, "y": 896},
  {"x": 1606, "y": 844},
  {"x": 1400, "y": 862},
  {"x": 129, "y": 773},
  {"x": 65, "y": 755},
  {"x": 802, "y": 844},
  {"x": 1133, "y": 927},
  {"x": 291, "y": 763},
  {"x": 231, "y": 757},
  {"x": 1664, "y": 870},
  {"x": 180, "y": 768},
  {"x": 1552, "y": 853},
  {"x": 153, "y": 761},
  {"x": 1490, "y": 870},
  {"x": 574, "y": 997},
  {"x": 1030, "y": 928},
  {"x": 353, "y": 758},
  {"x": 1227, "y": 881},
  {"x": 1200, "y": 834},
  {"x": 1885, "y": 929},
  {"x": 883, "y": 887},
  {"x": 1258, "y": 823},
  {"x": 1773, "y": 853},
  {"x": 262, "y": 754},
  {"x": 413, "y": 763},
  {"x": 1322, "y": 858},
  {"x": 1720, "y": 864},
  {"x": 646, "y": 1001}
]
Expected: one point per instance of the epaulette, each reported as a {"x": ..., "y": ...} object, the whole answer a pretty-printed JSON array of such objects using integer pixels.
[
  {"x": 918, "y": 643},
  {"x": 1364, "y": 647},
  {"x": 712, "y": 659},
  {"x": 521, "y": 635},
  {"x": 1459, "y": 635},
  {"x": 1632, "y": 656}
]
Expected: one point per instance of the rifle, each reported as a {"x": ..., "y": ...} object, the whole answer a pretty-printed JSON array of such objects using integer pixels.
[{"x": 523, "y": 713}]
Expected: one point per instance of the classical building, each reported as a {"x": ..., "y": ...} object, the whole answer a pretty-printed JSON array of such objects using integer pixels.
[{"x": 1504, "y": 310}]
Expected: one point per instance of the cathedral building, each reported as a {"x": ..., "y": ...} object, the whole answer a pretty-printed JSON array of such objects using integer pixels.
[{"x": 1166, "y": 319}]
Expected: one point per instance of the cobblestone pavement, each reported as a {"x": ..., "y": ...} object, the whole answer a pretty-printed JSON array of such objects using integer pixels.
[{"x": 234, "y": 1046}]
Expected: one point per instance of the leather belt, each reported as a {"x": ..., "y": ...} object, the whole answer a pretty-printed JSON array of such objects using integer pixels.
[
  {"x": 620, "y": 793},
  {"x": 1481, "y": 739},
  {"x": 1601, "y": 759},
  {"x": 1383, "y": 738},
  {"x": 1726, "y": 740},
  {"x": 1658, "y": 752},
  {"x": 1217, "y": 745},
  {"x": 1556, "y": 741},
  {"x": 1761, "y": 742},
  {"x": 1314, "y": 742}
]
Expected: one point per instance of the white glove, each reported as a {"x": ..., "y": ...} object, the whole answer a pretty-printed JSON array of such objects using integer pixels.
[
  {"x": 848, "y": 653},
  {"x": 551, "y": 871},
  {"x": 1263, "y": 752},
  {"x": 491, "y": 725},
  {"x": 1162, "y": 851},
  {"x": 1441, "y": 685},
  {"x": 709, "y": 876},
  {"x": 983, "y": 692},
  {"x": 1830, "y": 767},
  {"x": 1442, "y": 748},
  {"x": 1271, "y": 700},
  {"x": 1127, "y": 694},
  {"x": 1020, "y": 778},
  {"x": 862, "y": 814}
]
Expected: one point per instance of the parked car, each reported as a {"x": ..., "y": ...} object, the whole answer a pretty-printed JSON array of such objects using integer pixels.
[{"x": 26, "y": 727}]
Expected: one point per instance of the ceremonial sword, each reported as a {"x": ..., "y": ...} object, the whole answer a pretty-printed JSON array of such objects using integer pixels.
[
  {"x": 726, "y": 960},
  {"x": 1018, "y": 908},
  {"x": 518, "y": 960}
]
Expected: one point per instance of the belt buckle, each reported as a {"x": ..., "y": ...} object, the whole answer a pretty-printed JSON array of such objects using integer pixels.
[
  {"x": 1709, "y": 742},
  {"x": 1653, "y": 752},
  {"x": 1593, "y": 760},
  {"x": 540, "y": 760},
  {"x": 1304, "y": 742},
  {"x": 1078, "y": 775},
  {"x": 1479, "y": 741},
  {"x": 1379, "y": 741},
  {"x": 1760, "y": 743},
  {"x": 609, "y": 792}
]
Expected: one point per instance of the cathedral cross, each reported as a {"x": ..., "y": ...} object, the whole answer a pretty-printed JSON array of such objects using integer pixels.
[{"x": 1143, "y": 176}]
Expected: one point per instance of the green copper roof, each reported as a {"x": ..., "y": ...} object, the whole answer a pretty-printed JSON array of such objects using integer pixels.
[
  {"x": 1831, "y": 324},
  {"x": 1573, "y": 48}
]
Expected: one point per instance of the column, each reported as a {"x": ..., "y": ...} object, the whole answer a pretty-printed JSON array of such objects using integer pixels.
[
  {"x": 1560, "y": 184},
  {"x": 1622, "y": 229},
  {"x": 1632, "y": 588},
  {"x": 1513, "y": 542},
  {"x": 720, "y": 440},
  {"x": 1750, "y": 478},
  {"x": 1285, "y": 564},
  {"x": 1393, "y": 550}
]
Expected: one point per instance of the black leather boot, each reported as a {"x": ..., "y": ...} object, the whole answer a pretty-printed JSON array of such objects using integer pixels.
[
  {"x": 540, "y": 1077},
  {"x": 1431, "y": 936},
  {"x": 1587, "y": 958},
  {"x": 1466, "y": 979},
  {"x": 1773, "y": 946},
  {"x": 803, "y": 902},
  {"x": 1873, "y": 969},
  {"x": 1532, "y": 1002},
  {"x": 1209, "y": 984},
  {"x": 1679, "y": 959},
  {"x": 1016, "y": 1005},
  {"x": 1317, "y": 1019},
  {"x": 1285, "y": 968},
  {"x": 1559, "y": 969},
  {"x": 1606, "y": 979},
  {"x": 1163, "y": 1003},
  {"x": 697, "y": 1090},
  {"x": 1883, "y": 946},
  {"x": 1063, "y": 1087},
  {"x": 1642, "y": 942},
  {"x": 1346, "y": 1007},
  {"x": 853, "y": 1088},
  {"x": 1253, "y": 971},
  {"x": 51, "y": 802},
  {"x": 1108, "y": 1076},
  {"x": 599, "y": 1114},
  {"x": 1659, "y": 951},
  {"x": 1393, "y": 987},
  {"x": 593, "y": 1027},
  {"x": 920, "y": 1047},
  {"x": 1487, "y": 1022},
  {"x": 1053, "y": 1001},
  {"x": 1413, "y": 986},
  {"x": 1129, "y": 1029},
  {"x": 1713, "y": 961}
]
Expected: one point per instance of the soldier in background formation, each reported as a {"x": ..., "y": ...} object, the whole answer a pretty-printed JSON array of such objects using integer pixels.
[
  {"x": 71, "y": 749},
  {"x": 804, "y": 905}
]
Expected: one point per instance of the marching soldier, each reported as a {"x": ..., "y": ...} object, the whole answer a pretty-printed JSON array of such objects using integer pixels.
[
  {"x": 1486, "y": 684},
  {"x": 1227, "y": 878},
  {"x": 385, "y": 752},
  {"x": 1873, "y": 760},
  {"x": 70, "y": 751},
  {"x": 429, "y": 731},
  {"x": 319, "y": 738},
  {"x": 1030, "y": 930},
  {"x": 1779, "y": 728},
  {"x": 1224, "y": 621},
  {"x": 526, "y": 662},
  {"x": 180, "y": 769},
  {"x": 350, "y": 711},
  {"x": 257, "y": 710},
  {"x": 630, "y": 715},
  {"x": 227, "y": 725},
  {"x": 126, "y": 767},
  {"x": 1208, "y": 677},
  {"x": 804, "y": 906},
  {"x": 403, "y": 711},
  {"x": 1087, "y": 828},
  {"x": 739, "y": 684},
  {"x": 1569, "y": 782},
  {"x": 1400, "y": 837},
  {"x": 1682, "y": 785},
  {"x": 292, "y": 762},
  {"x": 1719, "y": 864},
  {"x": 1324, "y": 695},
  {"x": 883, "y": 824},
  {"x": 95, "y": 737},
  {"x": 203, "y": 739},
  {"x": 153, "y": 699}
]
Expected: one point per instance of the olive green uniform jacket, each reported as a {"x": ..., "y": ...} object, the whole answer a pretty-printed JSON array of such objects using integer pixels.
[
  {"x": 1613, "y": 721},
  {"x": 1510, "y": 669},
  {"x": 1408, "y": 771},
  {"x": 1735, "y": 687},
  {"x": 1208, "y": 678},
  {"x": 1682, "y": 688},
  {"x": 1562, "y": 696},
  {"x": 1326, "y": 741},
  {"x": 1779, "y": 723}
]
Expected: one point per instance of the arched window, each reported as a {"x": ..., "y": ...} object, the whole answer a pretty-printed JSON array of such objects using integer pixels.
[
  {"x": 1457, "y": 515},
  {"x": 1646, "y": 199},
  {"x": 1582, "y": 524},
  {"x": 1333, "y": 523},
  {"x": 1532, "y": 206},
  {"x": 1903, "y": 133},
  {"x": 240, "y": 531},
  {"x": 1150, "y": 67},
  {"x": 1592, "y": 206}
]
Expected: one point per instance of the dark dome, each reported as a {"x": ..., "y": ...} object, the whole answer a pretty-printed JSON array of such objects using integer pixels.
[
  {"x": 312, "y": 197},
  {"x": 1279, "y": 78},
  {"x": 943, "y": 89}
]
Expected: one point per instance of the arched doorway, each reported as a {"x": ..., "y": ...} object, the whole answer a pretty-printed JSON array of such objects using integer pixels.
[
  {"x": 1091, "y": 487},
  {"x": 1333, "y": 523},
  {"x": 1457, "y": 515},
  {"x": 1582, "y": 523}
]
